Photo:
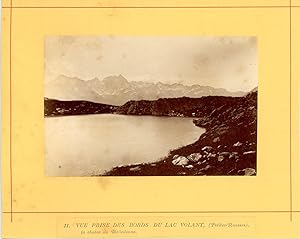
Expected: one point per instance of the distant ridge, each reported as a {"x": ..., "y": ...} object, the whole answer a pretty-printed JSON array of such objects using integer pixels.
[{"x": 117, "y": 90}]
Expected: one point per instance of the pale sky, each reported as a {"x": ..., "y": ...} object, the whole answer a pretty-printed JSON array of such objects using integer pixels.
[{"x": 221, "y": 62}]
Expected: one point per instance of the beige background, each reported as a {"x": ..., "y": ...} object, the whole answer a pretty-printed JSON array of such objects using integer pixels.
[{"x": 268, "y": 191}]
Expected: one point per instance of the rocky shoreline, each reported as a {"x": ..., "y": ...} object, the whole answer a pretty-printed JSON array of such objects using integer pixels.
[{"x": 228, "y": 147}]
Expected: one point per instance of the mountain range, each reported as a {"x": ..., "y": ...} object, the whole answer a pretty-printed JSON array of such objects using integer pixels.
[{"x": 117, "y": 90}]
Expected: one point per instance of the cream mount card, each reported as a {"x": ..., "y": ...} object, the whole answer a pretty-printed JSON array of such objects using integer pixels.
[{"x": 149, "y": 118}]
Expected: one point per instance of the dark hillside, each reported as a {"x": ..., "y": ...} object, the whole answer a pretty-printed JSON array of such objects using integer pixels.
[{"x": 76, "y": 107}]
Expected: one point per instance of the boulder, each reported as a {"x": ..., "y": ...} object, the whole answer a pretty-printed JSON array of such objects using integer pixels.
[
  {"x": 194, "y": 157},
  {"x": 250, "y": 171},
  {"x": 210, "y": 156},
  {"x": 247, "y": 172},
  {"x": 180, "y": 161},
  {"x": 189, "y": 166},
  {"x": 221, "y": 158},
  {"x": 237, "y": 144},
  {"x": 225, "y": 154},
  {"x": 249, "y": 152},
  {"x": 175, "y": 156},
  {"x": 217, "y": 139},
  {"x": 207, "y": 148},
  {"x": 234, "y": 155},
  {"x": 137, "y": 168}
]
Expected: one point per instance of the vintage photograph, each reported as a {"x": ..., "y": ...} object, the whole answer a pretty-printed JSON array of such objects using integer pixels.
[{"x": 150, "y": 105}]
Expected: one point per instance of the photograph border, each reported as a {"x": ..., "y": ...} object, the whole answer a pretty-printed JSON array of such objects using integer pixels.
[{"x": 11, "y": 7}]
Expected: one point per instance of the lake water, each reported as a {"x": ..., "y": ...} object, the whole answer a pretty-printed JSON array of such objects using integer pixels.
[{"x": 92, "y": 144}]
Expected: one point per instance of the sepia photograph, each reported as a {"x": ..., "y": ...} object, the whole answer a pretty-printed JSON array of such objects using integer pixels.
[{"x": 150, "y": 105}]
